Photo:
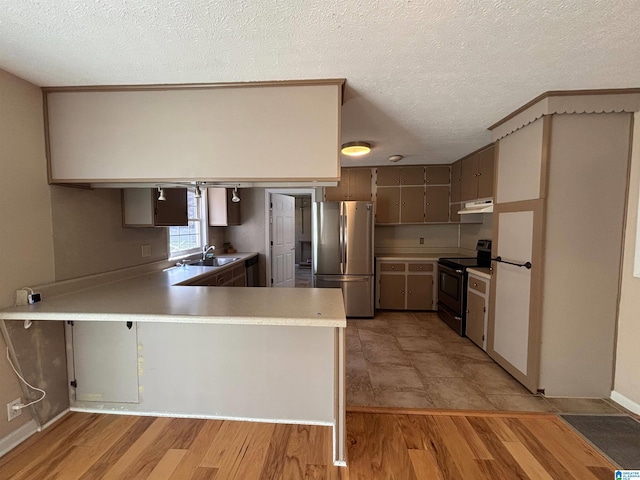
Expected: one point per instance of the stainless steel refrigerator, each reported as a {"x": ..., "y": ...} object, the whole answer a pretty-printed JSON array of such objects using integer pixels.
[{"x": 343, "y": 253}]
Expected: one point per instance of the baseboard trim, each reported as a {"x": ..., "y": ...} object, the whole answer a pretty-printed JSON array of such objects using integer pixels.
[
  {"x": 625, "y": 402},
  {"x": 18, "y": 436},
  {"x": 288, "y": 421}
]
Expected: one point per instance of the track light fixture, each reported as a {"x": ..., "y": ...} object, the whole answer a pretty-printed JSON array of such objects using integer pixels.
[
  {"x": 161, "y": 196},
  {"x": 235, "y": 198}
]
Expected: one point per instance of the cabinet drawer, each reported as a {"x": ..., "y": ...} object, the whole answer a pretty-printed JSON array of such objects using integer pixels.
[
  {"x": 421, "y": 267},
  {"x": 225, "y": 277},
  {"x": 477, "y": 285},
  {"x": 392, "y": 267}
]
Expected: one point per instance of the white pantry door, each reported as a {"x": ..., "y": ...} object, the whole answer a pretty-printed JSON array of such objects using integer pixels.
[{"x": 283, "y": 249}]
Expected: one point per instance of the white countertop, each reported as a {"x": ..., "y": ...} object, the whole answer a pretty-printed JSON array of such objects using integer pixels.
[
  {"x": 483, "y": 272},
  {"x": 407, "y": 257},
  {"x": 155, "y": 297}
]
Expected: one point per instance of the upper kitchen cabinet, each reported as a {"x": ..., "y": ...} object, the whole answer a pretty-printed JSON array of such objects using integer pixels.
[
  {"x": 437, "y": 175},
  {"x": 355, "y": 184},
  {"x": 222, "y": 211},
  {"x": 207, "y": 133},
  {"x": 399, "y": 176},
  {"x": 141, "y": 207},
  {"x": 561, "y": 180},
  {"x": 476, "y": 178},
  {"x": 456, "y": 182}
]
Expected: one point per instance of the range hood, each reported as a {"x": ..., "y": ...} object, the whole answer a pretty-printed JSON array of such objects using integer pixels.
[{"x": 481, "y": 206}]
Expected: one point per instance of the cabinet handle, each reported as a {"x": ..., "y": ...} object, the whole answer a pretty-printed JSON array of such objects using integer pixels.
[
  {"x": 402, "y": 292},
  {"x": 393, "y": 267},
  {"x": 475, "y": 284},
  {"x": 403, "y": 203},
  {"x": 409, "y": 292}
]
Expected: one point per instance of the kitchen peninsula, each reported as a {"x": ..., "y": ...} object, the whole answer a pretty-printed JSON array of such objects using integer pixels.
[{"x": 148, "y": 346}]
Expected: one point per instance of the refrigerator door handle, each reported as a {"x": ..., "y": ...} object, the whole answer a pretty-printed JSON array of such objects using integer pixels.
[{"x": 345, "y": 236}]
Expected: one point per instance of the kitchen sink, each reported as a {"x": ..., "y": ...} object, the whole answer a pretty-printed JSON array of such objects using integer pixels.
[{"x": 215, "y": 261}]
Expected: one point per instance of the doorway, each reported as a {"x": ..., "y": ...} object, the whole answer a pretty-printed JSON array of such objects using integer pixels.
[{"x": 288, "y": 238}]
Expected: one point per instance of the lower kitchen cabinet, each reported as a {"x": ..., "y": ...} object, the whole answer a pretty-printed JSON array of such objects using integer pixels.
[
  {"x": 228, "y": 277},
  {"x": 405, "y": 285},
  {"x": 477, "y": 310}
]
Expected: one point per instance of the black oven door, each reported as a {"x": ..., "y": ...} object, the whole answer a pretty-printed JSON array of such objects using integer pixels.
[{"x": 451, "y": 288}]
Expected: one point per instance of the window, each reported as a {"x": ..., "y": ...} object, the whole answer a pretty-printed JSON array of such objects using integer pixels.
[{"x": 191, "y": 238}]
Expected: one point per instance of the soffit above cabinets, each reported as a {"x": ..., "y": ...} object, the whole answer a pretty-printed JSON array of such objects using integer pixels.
[{"x": 278, "y": 132}]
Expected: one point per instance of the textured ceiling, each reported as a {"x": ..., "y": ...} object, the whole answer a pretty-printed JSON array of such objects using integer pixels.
[{"x": 424, "y": 78}]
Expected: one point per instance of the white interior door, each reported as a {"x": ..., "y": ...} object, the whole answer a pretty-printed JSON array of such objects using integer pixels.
[{"x": 283, "y": 249}]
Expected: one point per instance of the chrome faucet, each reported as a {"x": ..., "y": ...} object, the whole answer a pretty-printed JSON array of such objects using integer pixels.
[{"x": 206, "y": 249}]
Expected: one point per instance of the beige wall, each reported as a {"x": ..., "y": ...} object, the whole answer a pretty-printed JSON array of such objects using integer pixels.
[
  {"x": 627, "y": 376},
  {"x": 26, "y": 246},
  {"x": 470, "y": 233},
  {"x": 406, "y": 238},
  {"x": 584, "y": 223},
  {"x": 250, "y": 235},
  {"x": 89, "y": 237}
]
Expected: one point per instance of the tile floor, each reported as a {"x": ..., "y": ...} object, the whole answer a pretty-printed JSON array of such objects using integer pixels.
[{"x": 412, "y": 359}]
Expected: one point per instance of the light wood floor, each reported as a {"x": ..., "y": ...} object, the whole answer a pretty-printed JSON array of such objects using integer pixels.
[{"x": 403, "y": 446}]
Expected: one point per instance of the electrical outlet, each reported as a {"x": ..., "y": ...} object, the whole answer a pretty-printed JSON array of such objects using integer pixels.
[
  {"x": 146, "y": 250},
  {"x": 11, "y": 413},
  {"x": 421, "y": 240}
]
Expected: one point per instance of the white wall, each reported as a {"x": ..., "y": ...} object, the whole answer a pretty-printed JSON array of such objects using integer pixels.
[
  {"x": 26, "y": 244},
  {"x": 470, "y": 233},
  {"x": 626, "y": 389}
]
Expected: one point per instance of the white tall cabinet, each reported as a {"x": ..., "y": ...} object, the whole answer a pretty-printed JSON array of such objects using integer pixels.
[{"x": 560, "y": 194}]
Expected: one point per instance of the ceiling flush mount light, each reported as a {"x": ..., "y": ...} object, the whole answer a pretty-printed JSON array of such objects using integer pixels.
[
  {"x": 235, "y": 198},
  {"x": 161, "y": 196},
  {"x": 356, "y": 149},
  {"x": 395, "y": 158}
]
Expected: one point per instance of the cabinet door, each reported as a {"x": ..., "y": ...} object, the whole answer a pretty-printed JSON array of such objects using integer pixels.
[
  {"x": 388, "y": 176},
  {"x": 360, "y": 184},
  {"x": 437, "y": 174},
  {"x": 469, "y": 178},
  {"x": 456, "y": 178},
  {"x": 388, "y": 205},
  {"x": 222, "y": 211},
  {"x": 411, "y": 176},
  {"x": 454, "y": 216},
  {"x": 173, "y": 210},
  {"x": 437, "y": 204},
  {"x": 419, "y": 292},
  {"x": 105, "y": 361},
  {"x": 412, "y": 204},
  {"x": 392, "y": 293},
  {"x": 341, "y": 191},
  {"x": 485, "y": 173},
  {"x": 475, "y": 318}
]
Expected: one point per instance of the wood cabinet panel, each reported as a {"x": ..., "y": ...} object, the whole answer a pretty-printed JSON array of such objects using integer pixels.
[
  {"x": 360, "y": 184},
  {"x": 392, "y": 291},
  {"x": 406, "y": 284},
  {"x": 477, "y": 175},
  {"x": 392, "y": 267},
  {"x": 411, "y": 176},
  {"x": 454, "y": 216},
  {"x": 485, "y": 172},
  {"x": 388, "y": 176},
  {"x": 412, "y": 204},
  {"x": 437, "y": 175},
  {"x": 222, "y": 211},
  {"x": 388, "y": 205},
  {"x": 476, "y": 307},
  {"x": 141, "y": 208},
  {"x": 419, "y": 292},
  {"x": 456, "y": 181},
  {"x": 477, "y": 284},
  {"x": 354, "y": 184},
  {"x": 437, "y": 204}
]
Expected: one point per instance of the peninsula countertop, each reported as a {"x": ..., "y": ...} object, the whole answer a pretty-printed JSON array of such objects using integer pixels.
[{"x": 156, "y": 297}]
